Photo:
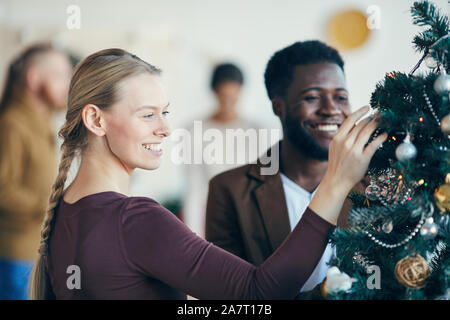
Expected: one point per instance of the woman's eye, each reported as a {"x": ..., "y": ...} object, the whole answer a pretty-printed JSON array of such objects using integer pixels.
[
  {"x": 166, "y": 113},
  {"x": 147, "y": 116}
]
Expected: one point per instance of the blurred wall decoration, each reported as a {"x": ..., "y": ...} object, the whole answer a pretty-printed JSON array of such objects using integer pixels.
[{"x": 348, "y": 29}]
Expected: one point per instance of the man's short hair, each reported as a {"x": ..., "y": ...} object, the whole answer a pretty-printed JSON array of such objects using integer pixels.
[
  {"x": 280, "y": 68},
  {"x": 226, "y": 72}
]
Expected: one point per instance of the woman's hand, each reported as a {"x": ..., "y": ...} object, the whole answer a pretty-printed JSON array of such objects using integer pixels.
[{"x": 348, "y": 160}]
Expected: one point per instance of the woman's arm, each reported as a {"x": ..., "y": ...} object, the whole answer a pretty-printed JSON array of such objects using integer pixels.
[{"x": 159, "y": 245}]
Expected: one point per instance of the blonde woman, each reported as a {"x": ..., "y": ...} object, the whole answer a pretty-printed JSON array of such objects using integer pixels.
[{"x": 132, "y": 247}]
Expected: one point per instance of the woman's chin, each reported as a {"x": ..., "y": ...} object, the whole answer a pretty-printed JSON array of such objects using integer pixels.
[{"x": 150, "y": 166}]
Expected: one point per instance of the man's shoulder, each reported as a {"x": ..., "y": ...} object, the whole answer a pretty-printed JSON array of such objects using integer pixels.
[{"x": 233, "y": 176}]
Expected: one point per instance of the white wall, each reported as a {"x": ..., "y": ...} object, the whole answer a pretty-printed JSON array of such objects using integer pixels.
[{"x": 186, "y": 38}]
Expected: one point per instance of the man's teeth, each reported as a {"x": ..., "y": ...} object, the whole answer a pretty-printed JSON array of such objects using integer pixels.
[
  {"x": 153, "y": 147},
  {"x": 327, "y": 127}
]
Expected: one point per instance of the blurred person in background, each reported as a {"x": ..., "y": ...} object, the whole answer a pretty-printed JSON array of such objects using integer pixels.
[
  {"x": 36, "y": 86},
  {"x": 226, "y": 83}
]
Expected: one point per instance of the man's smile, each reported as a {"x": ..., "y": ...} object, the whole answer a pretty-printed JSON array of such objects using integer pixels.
[{"x": 323, "y": 128}]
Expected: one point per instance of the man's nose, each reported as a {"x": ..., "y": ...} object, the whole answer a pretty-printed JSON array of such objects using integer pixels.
[{"x": 330, "y": 107}]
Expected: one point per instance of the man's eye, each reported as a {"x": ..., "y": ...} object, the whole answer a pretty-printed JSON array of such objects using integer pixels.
[
  {"x": 166, "y": 113},
  {"x": 147, "y": 116},
  {"x": 311, "y": 98},
  {"x": 343, "y": 98}
]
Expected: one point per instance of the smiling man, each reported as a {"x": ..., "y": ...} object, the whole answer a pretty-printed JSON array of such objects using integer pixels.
[{"x": 250, "y": 214}]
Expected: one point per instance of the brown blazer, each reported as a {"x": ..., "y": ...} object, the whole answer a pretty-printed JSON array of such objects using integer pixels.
[{"x": 247, "y": 214}]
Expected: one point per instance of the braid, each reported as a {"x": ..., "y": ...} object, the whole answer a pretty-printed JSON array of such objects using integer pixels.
[
  {"x": 40, "y": 287},
  {"x": 57, "y": 191}
]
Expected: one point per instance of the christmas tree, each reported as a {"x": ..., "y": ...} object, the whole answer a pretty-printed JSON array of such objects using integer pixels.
[{"x": 397, "y": 245}]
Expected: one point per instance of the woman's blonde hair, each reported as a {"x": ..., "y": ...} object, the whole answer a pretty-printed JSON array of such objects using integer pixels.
[{"x": 95, "y": 82}]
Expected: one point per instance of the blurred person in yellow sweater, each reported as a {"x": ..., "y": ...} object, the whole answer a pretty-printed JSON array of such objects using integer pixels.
[{"x": 36, "y": 86}]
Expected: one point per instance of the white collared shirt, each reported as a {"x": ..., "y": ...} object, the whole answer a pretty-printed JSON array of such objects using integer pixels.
[{"x": 297, "y": 200}]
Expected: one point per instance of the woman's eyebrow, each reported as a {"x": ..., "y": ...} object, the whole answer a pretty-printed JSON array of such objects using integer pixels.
[{"x": 152, "y": 107}]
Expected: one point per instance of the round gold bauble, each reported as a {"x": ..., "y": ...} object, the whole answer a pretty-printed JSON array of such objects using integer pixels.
[
  {"x": 445, "y": 124},
  {"x": 412, "y": 271},
  {"x": 442, "y": 197}
]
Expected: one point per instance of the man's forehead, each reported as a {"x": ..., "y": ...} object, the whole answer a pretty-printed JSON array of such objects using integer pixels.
[{"x": 328, "y": 75}]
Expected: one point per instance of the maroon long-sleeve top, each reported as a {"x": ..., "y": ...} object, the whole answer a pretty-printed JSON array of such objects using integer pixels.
[{"x": 133, "y": 248}]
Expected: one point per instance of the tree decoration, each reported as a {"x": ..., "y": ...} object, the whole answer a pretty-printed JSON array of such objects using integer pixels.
[
  {"x": 387, "y": 226},
  {"x": 430, "y": 62},
  {"x": 445, "y": 124},
  {"x": 442, "y": 198},
  {"x": 429, "y": 229},
  {"x": 412, "y": 271},
  {"x": 442, "y": 84},
  {"x": 406, "y": 151},
  {"x": 335, "y": 281},
  {"x": 401, "y": 222}
]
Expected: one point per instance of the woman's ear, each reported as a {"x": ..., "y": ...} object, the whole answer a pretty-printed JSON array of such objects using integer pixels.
[{"x": 93, "y": 119}]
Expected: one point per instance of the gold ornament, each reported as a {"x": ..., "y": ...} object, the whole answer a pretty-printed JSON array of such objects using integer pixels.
[
  {"x": 412, "y": 271},
  {"x": 445, "y": 124},
  {"x": 442, "y": 197}
]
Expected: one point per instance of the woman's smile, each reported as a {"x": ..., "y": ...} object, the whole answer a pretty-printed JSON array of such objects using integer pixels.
[{"x": 154, "y": 148}]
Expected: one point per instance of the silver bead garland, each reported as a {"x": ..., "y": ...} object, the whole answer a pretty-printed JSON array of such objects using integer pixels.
[
  {"x": 407, "y": 239},
  {"x": 427, "y": 100},
  {"x": 398, "y": 244}
]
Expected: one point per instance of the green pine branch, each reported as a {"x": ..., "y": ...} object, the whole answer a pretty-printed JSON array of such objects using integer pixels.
[
  {"x": 436, "y": 39},
  {"x": 425, "y": 14}
]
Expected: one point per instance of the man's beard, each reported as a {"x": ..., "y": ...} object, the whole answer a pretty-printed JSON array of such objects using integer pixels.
[{"x": 303, "y": 141}]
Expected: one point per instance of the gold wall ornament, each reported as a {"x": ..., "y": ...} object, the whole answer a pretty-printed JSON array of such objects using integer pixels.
[
  {"x": 347, "y": 29},
  {"x": 412, "y": 271}
]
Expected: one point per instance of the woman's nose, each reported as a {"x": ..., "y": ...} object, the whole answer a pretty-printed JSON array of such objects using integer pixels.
[{"x": 163, "y": 129}]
